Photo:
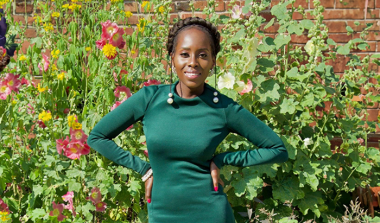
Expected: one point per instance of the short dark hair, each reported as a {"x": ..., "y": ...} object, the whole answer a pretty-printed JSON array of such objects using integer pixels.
[{"x": 195, "y": 22}]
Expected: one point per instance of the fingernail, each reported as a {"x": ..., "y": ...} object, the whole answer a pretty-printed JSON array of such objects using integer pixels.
[
  {"x": 149, "y": 200},
  {"x": 216, "y": 188}
]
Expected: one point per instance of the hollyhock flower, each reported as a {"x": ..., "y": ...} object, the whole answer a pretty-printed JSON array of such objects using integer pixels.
[
  {"x": 57, "y": 211},
  {"x": 24, "y": 81},
  {"x": 41, "y": 124},
  {"x": 116, "y": 78},
  {"x": 95, "y": 195},
  {"x": 116, "y": 38},
  {"x": 122, "y": 44},
  {"x": 240, "y": 86},
  {"x": 13, "y": 82},
  {"x": 236, "y": 12},
  {"x": 45, "y": 63},
  {"x": 360, "y": 140},
  {"x": 122, "y": 92},
  {"x": 152, "y": 82},
  {"x": 4, "y": 90},
  {"x": 3, "y": 206},
  {"x": 250, "y": 53},
  {"x": 66, "y": 111},
  {"x": 62, "y": 144},
  {"x": 108, "y": 29},
  {"x": 100, "y": 206},
  {"x": 226, "y": 81},
  {"x": 247, "y": 87},
  {"x": 3, "y": 50},
  {"x": 69, "y": 198},
  {"x": 78, "y": 134},
  {"x": 309, "y": 47},
  {"x": 75, "y": 149},
  {"x": 109, "y": 51},
  {"x": 117, "y": 103},
  {"x": 100, "y": 43},
  {"x": 146, "y": 153}
]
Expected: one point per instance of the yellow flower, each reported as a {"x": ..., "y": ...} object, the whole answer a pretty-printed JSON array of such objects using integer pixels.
[
  {"x": 161, "y": 9},
  {"x": 141, "y": 24},
  {"x": 48, "y": 27},
  {"x": 128, "y": 14},
  {"x": 4, "y": 216},
  {"x": 133, "y": 52},
  {"x": 65, "y": 6},
  {"x": 61, "y": 76},
  {"x": 41, "y": 89},
  {"x": 54, "y": 68},
  {"x": 109, "y": 50},
  {"x": 37, "y": 19},
  {"x": 14, "y": 102},
  {"x": 115, "y": 1},
  {"x": 147, "y": 4},
  {"x": 71, "y": 119},
  {"x": 44, "y": 116},
  {"x": 88, "y": 48},
  {"x": 22, "y": 58},
  {"x": 74, "y": 6},
  {"x": 76, "y": 125},
  {"x": 55, "y": 53},
  {"x": 74, "y": 1},
  {"x": 55, "y": 14}
]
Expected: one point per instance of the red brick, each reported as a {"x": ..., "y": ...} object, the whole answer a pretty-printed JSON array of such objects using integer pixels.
[
  {"x": 336, "y": 26},
  {"x": 20, "y": 8},
  {"x": 373, "y": 14},
  {"x": 299, "y": 39},
  {"x": 339, "y": 64},
  {"x": 267, "y": 16},
  {"x": 184, "y": 6},
  {"x": 21, "y": 18},
  {"x": 134, "y": 19},
  {"x": 302, "y": 3},
  {"x": 220, "y": 7},
  {"x": 297, "y": 16},
  {"x": 373, "y": 36},
  {"x": 185, "y": 15},
  {"x": 129, "y": 31},
  {"x": 356, "y": 4},
  {"x": 377, "y": 3},
  {"x": 371, "y": 48},
  {"x": 30, "y": 33},
  {"x": 271, "y": 29},
  {"x": 372, "y": 114},
  {"x": 344, "y": 14},
  {"x": 132, "y": 7},
  {"x": 362, "y": 25},
  {"x": 228, "y": 6},
  {"x": 324, "y": 3}
]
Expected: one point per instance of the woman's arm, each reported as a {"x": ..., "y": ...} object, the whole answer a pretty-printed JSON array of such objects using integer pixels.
[
  {"x": 241, "y": 121},
  {"x": 112, "y": 124}
]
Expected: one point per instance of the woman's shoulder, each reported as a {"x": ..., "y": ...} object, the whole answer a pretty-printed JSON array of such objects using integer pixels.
[{"x": 223, "y": 100}]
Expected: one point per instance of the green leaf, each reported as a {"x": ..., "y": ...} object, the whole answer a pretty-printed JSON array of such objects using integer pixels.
[
  {"x": 310, "y": 202},
  {"x": 349, "y": 29},
  {"x": 288, "y": 106},
  {"x": 75, "y": 173},
  {"x": 269, "y": 91},
  {"x": 373, "y": 154},
  {"x": 282, "y": 40},
  {"x": 237, "y": 36},
  {"x": 344, "y": 50},
  {"x": 375, "y": 56},
  {"x": 331, "y": 42},
  {"x": 288, "y": 189},
  {"x": 364, "y": 168},
  {"x": 37, "y": 213},
  {"x": 280, "y": 11},
  {"x": 363, "y": 46},
  {"x": 74, "y": 186},
  {"x": 37, "y": 189},
  {"x": 295, "y": 28},
  {"x": 114, "y": 189},
  {"x": 37, "y": 41},
  {"x": 270, "y": 23},
  {"x": 307, "y": 24}
]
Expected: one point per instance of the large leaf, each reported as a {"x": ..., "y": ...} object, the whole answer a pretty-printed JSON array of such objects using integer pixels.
[
  {"x": 310, "y": 202},
  {"x": 288, "y": 189}
]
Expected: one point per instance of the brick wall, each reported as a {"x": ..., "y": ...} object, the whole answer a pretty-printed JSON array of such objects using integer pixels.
[{"x": 338, "y": 14}]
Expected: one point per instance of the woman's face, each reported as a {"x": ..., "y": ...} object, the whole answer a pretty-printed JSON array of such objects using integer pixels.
[{"x": 193, "y": 58}]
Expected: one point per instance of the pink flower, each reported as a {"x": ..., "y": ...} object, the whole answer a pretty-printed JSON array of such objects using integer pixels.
[
  {"x": 4, "y": 90},
  {"x": 41, "y": 124},
  {"x": 117, "y": 103},
  {"x": 100, "y": 43},
  {"x": 75, "y": 149},
  {"x": 30, "y": 109},
  {"x": 247, "y": 87},
  {"x": 45, "y": 63},
  {"x": 12, "y": 82},
  {"x": 108, "y": 29},
  {"x": 62, "y": 144},
  {"x": 146, "y": 153},
  {"x": 130, "y": 127},
  {"x": 4, "y": 206},
  {"x": 117, "y": 38},
  {"x": 152, "y": 82},
  {"x": 69, "y": 198},
  {"x": 24, "y": 81},
  {"x": 3, "y": 50},
  {"x": 360, "y": 140},
  {"x": 57, "y": 211},
  {"x": 66, "y": 111},
  {"x": 78, "y": 134},
  {"x": 236, "y": 12},
  {"x": 95, "y": 195},
  {"x": 100, "y": 206},
  {"x": 122, "y": 92},
  {"x": 116, "y": 78}
]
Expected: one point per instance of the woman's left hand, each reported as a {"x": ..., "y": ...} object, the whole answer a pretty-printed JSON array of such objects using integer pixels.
[{"x": 215, "y": 172}]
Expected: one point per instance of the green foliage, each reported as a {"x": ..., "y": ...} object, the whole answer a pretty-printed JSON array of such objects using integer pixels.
[{"x": 294, "y": 91}]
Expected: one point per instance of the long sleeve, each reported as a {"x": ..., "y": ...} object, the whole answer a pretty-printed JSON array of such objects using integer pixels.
[
  {"x": 271, "y": 149},
  {"x": 112, "y": 124}
]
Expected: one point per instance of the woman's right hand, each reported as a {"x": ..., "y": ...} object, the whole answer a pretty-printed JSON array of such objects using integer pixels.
[{"x": 148, "y": 189}]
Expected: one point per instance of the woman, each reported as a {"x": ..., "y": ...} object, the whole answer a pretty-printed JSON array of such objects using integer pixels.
[{"x": 184, "y": 122}]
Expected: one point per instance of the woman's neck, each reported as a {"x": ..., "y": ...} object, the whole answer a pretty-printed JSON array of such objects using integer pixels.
[{"x": 184, "y": 92}]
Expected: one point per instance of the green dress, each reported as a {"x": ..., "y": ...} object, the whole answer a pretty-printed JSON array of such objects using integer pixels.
[{"x": 182, "y": 138}]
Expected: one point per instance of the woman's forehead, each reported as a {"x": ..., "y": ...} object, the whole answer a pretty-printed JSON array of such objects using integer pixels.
[{"x": 193, "y": 37}]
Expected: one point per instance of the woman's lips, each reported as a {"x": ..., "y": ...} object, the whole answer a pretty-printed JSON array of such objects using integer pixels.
[{"x": 192, "y": 74}]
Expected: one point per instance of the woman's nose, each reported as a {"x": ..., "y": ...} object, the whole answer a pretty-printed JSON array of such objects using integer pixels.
[{"x": 193, "y": 61}]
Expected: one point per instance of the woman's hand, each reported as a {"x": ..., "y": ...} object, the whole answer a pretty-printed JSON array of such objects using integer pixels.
[
  {"x": 148, "y": 189},
  {"x": 215, "y": 176}
]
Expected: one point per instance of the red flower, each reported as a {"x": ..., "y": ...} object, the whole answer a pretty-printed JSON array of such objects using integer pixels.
[{"x": 152, "y": 82}]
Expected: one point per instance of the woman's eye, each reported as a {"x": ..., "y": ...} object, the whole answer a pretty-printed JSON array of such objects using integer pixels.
[
  {"x": 184, "y": 54},
  {"x": 203, "y": 55}
]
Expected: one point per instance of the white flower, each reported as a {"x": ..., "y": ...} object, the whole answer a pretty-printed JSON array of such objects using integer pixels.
[
  {"x": 250, "y": 53},
  {"x": 307, "y": 141},
  {"x": 226, "y": 81},
  {"x": 309, "y": 47},
  {"x": 236, "y": 12}
]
